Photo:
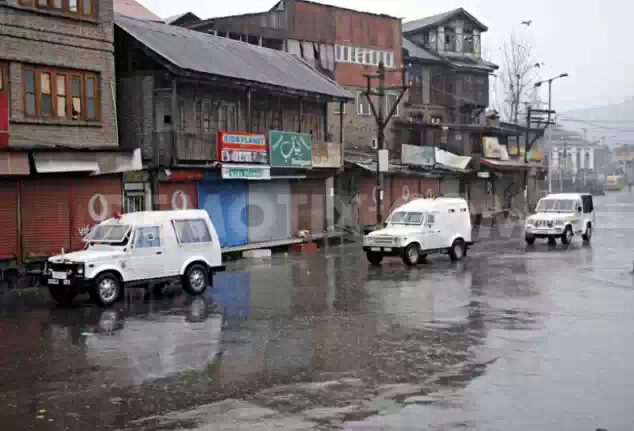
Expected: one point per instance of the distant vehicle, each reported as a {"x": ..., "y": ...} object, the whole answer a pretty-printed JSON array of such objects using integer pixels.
[
  {"x": 614, "y": 183},
  {"x": 561, "y": 216},
  {"x": 422, "y": 227},
  {"x": 148, "y": 249}
]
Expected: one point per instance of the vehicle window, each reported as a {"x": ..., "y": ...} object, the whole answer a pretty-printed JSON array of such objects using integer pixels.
[
  {"x": 431, "y": 218},
  {"x": 148, "y": 237},
  {"x": 556, "y": 205},
  {"x": 587, "y": 204},
  {"x": 410, "y": 218},
  {"x": 108, "y": 233},
  {"x": 191, "y": 231}
]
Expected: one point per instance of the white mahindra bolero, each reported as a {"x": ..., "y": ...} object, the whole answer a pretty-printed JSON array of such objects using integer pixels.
[
  {"x": 561, "y": 216},
  {"x": 422, "y": 227},
  {"x": 148, "y": 249}
]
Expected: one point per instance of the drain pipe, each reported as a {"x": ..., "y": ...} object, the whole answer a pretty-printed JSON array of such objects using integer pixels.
[{"x": 114, "y": 108}]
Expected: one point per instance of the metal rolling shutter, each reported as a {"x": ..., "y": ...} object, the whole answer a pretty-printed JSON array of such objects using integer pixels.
[
  {"x": 226, "y": 203},
  {"x": 93, "y": 200},
  {"x": 9, "y": 219},
  {"x": 178, "y": 196},
  {"x": 450, "y": 187},
  {"x": 309, "y": 206},
  {"x": 269, "y": 212},
  {"x": 45, "y": 217}
]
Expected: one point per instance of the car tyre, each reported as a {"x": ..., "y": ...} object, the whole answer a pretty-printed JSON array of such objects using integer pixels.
[
  {"x": 566, "y": 238},
  {"x": 422, "y": 259},
  {"x": 552, "y": 240},
  {"x": 106, "y": 289},
  {"x": 62, "y": 296},
  {"x": 196, "y": 279},
  {"x": 411, "y": 254},
  {"x": 530, "y": 239},
  {"x": 374, "y": 258},
  {"x": 587, "y": 236},
  {"x": 457, "y": 250}
]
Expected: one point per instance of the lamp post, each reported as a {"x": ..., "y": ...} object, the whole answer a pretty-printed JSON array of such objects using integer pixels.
[{"x": 548, "y": 144}]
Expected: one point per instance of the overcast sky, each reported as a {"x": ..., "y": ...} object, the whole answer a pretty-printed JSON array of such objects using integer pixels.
[{"x": 584, "y": 41}]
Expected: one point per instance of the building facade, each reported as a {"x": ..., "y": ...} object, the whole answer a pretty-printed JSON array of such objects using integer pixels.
[
  {"x": 59, "y": 158},
  {"x": 236, "y": 129}
]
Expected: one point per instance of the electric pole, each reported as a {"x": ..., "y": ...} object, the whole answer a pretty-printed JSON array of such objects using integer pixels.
[{"x": 381, "y": 123}]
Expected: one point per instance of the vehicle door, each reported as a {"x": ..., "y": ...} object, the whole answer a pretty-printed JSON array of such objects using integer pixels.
[
  {"x": 432, "y": 232},
  {"x": 588, "y": 209},
  {"x": 579, "y": 217},
  {"x": 147, "y": 257}
]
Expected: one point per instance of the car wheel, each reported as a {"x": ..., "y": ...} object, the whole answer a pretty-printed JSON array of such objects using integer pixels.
[
  {"x": 587, "y": 236},
  {"x": 566, "y": 238},
  {"x": 196, "y": 279},
  {"x": 457, "y": 250},
  {"x": 106, "y": 290},
  {"x": 61, "y": 295},
  {"x": 374, "y": 258},
  {"x": 411, "y": 253},
  {"x": 530, "y": 239},
  {"x": 552, "y": 240},
  {"x": 422, "y": 259}
]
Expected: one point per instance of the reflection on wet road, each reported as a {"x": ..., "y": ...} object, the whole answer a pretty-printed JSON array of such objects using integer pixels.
[{"x": 511, "y": 338}]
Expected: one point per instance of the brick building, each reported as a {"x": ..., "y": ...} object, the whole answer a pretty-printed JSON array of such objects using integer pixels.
[{"x": 59, "y": 155}]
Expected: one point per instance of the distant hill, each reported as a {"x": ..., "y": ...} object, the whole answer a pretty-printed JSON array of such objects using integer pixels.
[{"x": 615, "y": 122}]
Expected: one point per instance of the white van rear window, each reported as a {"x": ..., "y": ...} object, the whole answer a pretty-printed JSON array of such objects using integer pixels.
[{"x": 191, "y": 231}]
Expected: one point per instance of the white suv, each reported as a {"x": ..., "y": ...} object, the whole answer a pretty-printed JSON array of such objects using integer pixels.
[
  {"x": 561, "y": 216},
  {"x": 146, "y": 249}
]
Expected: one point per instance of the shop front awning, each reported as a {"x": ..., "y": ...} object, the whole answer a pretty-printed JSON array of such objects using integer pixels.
[
  {"x": 95, "y": 163},
  {"x": 395, "y": 169},
  {"x": 510, "y": 165},
  {"x": 14, "y": 164}
]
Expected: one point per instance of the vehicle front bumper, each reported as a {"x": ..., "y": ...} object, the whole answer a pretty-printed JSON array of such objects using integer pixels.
[
  {"x": 383, "y": 249},
  {"x": 71, "y": 283},
  {"x": 544, "y": 232}
]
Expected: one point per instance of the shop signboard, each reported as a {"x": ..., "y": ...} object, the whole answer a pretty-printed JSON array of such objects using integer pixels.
[
  {"x": 245, "y": 172},
  {"x": 291, "y": 150},
  {"x": 493, "y": 149},
  {"x": 236, "y": 147},
  {"x": 417, "y": 155},
  {"x": 326, "y": 155}
]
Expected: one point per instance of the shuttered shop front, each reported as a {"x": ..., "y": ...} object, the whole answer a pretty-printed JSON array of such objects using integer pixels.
[
  {"x": 367, "y": 200},
  {"x": 226, "y": 202},
  {"x": 178, "y": 196},
  {"x": 429, "y": 186},
  {"x": 45, "y": 216},
  {"x": 450, "y": 187},
  {"x": 269, "y": 210},
  {"x": 404, "y": 189},
  {"x": 8, "y": 219},
  {"x": 309, "y": 206},
  {"x": 93, "y": 200}
]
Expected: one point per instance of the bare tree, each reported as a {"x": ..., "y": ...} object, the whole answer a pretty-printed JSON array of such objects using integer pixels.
[{"x": 517, "y": 75}]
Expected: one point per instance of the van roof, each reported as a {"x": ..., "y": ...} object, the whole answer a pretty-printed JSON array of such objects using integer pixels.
[
  {"x": 566, "y": 195},
  {"x": 430, "y": 204},
  {"x": 148, "y": 217}
]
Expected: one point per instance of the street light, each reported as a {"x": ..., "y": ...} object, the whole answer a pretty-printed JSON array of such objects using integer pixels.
[{"x": 550, "y": 83}]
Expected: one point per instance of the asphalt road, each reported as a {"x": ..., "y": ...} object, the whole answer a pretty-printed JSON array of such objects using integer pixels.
[{"x": 512, "y": 338}]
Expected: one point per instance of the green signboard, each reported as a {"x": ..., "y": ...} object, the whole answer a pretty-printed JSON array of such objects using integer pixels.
[
  {"x": 291, "y": 150},
  {"x": 236, "y": 172}
]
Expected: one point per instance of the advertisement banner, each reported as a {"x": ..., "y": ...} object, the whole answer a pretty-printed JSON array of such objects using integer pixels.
[
  {"x": 417, "y": 156},
  {"x": 243, "y": 172},
  {"x": 236, "y": 147},
  {"x": 291, "y": 150},
  {"x": 327, "y": 155}
]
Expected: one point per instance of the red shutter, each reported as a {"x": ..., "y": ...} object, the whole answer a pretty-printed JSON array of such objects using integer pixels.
[
  {"x": 93, "y": 199},
  {"x": 430, "y": 184},
  {"x": 308, "y": 206},
  {"x": 172, "y": 196},
  {"x": 45, "y": 216},
  {"x": 367, "y": 196},
  {"x": 9, "y": 219},
  {"x": 4, "y": 119}
]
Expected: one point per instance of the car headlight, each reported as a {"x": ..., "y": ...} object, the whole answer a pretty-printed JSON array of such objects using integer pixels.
[
  {"x": 529, "y": 222},
  {"x": 80, "y": 270}
]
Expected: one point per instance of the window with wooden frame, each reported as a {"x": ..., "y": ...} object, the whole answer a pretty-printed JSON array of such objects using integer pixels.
[
  {"x": 4, "y": 77},
  {"x": 61, "y": 94},
  {"x": 85, "y": 8},
  {"x": 206, "y": 116}
]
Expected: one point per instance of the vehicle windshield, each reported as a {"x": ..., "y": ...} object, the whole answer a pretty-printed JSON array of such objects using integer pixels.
[
  {"x": 555, "y": 205},
  {"x": 108, "y": 233},
  {"x": 408, "y": 218}
]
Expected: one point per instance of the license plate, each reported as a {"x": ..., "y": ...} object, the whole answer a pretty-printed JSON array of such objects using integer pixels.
[
  {"x": 53, "y": 281},
  {"x": 59, "y": 275},
  {"x": 388, "y": 249},
  {"x": 376, "y": 249}
]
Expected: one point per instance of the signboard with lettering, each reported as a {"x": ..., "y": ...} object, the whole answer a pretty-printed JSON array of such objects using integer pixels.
[
  {"x": 244, "y": 172},
  {"x": 326, "y": 155},
  {"x": 291, "y": 150},
  {"x": 417, "y": 156},
  {"x": 235, "y": 147}
]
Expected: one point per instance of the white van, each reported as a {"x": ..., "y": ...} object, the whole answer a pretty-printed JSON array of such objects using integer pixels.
[
  {"x": 562, "y": 216},
  {"x": 422, "y": 227},
  {"x": 144, "y": 248}
]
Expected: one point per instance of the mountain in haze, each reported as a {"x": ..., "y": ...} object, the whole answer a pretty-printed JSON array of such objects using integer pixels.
[{"x": 613, "y": 123}]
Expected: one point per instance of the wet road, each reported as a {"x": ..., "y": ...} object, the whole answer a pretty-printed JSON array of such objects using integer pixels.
[{"x": 511, "y": 338}]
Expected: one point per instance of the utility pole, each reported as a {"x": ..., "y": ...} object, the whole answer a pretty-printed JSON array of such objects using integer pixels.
[{"x": 381, "y": 123}]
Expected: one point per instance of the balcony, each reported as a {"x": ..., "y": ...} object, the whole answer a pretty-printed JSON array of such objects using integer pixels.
[{"x": 166, "y": 148}]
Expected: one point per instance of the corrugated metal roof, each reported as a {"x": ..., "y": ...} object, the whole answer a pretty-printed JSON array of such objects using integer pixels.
[
  {"x": 134, "y": 9},
  {"x": 204, "y": 53},
  {"x": 441, "y": 18},
  {"x": 419, "y": 52}
]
